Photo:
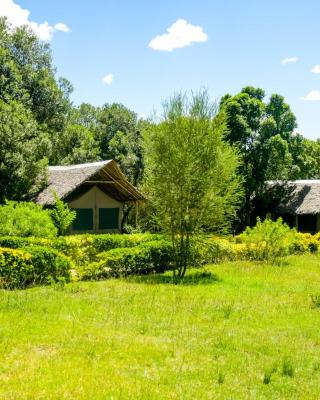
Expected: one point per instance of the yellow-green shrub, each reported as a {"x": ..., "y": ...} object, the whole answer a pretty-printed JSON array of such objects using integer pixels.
[
  {"x": 20, "y": 268},
  {"x": 268, "y": 240},
  {"x": 306, "y": 242}
]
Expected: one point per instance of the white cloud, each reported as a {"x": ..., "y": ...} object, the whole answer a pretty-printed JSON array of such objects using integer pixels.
[
  {"x": 180, "y": 34},
  {"x": 289, "y": 60},
  {"x": 316, "y": 69},
  {"x": 17, "y": 16},
  {"x": 108, "y": 79},
  {"x": 60, "y": 26},
  {"x": 313, "y": 95}
]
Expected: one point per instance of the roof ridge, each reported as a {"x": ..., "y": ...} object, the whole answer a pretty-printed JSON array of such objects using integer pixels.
[{"x": 78, "y": 166}]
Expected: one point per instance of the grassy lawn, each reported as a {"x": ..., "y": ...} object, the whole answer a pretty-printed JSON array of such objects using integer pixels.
[{"x": 241, "y": 331}]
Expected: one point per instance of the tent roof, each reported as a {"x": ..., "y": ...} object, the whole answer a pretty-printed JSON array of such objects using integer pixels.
[
  {"x": 302, "y": 196},
  {"x": 64, "y": 180}
]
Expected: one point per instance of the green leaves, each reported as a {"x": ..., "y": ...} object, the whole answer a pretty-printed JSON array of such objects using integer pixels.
[
  {"x": 62, "y": 216},
  {"x": 264, "y": 135},
  {"x": 190, "y": 171},
  {"x": 22, "y": 161}
]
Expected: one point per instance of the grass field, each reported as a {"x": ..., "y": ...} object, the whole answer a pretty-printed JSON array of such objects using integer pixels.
[{"x": 239, "y": 331}]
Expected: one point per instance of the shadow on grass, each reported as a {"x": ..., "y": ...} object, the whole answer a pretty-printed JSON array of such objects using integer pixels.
[{"x": 196, "y": 278}]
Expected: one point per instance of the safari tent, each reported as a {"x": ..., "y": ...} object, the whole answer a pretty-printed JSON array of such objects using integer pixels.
[{"x": 96, "y": 191}]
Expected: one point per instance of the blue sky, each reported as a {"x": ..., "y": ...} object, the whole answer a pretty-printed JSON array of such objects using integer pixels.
[{"x": 246, "y": 42}]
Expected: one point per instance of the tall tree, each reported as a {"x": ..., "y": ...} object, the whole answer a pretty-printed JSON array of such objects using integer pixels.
[
  {"x": 264, "y": 135},
  {"x": 113, "y": 118},
  {"x": 22, "y": 153},
  {"x": 27, "y": 75},
  {"x": 190, "y": 173}
]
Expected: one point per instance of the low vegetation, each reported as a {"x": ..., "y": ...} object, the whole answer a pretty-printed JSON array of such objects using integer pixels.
[{"x": 96, "y": 257}]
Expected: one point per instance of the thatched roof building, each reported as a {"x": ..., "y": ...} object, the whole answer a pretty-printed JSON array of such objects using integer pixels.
[
  {"x": 298, "y": 202},
  {"x": 97, "y": 191},
  {"x": 64, "y": 180}
]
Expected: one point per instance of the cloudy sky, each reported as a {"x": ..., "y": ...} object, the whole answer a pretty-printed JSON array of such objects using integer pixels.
[{"x": 140, "y": 52}]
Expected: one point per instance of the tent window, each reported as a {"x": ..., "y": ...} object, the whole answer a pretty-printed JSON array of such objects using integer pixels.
[
  {"x": 108, "y": 218},
  {"x": 84, "y": 219}
]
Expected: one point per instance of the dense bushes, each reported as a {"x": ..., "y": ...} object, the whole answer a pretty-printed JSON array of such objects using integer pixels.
[
  {"x": 155, "y": 256},
  {"x": 25, "y": 219},
  {"x": 32, "y": 266},
  {"x": 93, "y": 256},
  {"x": 49, "y": 265},
  {"x": 268, "y": 240},
  {"x": 26, "y": 261}
]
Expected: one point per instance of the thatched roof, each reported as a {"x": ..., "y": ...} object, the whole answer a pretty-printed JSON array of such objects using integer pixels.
[
  {"x": 66, "y": 180},
  {"x": 299, "y": 197}
]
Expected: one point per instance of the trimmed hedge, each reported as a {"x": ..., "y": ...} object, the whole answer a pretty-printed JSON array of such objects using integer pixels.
[
  {"x": 49, "y": 265},
  {"x": 147, "y": 258},
  {"x": 34, "y": 265}
]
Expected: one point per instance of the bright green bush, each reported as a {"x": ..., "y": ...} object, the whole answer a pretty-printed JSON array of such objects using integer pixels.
[
  {"x": 268, "y": 240},
  {"x": 49, "y": 265},
  {"x": 83, "y": 249},
  {"x": 62, "y": 215},
  {"x": 213, "y": 250},
  {"x": 25, "y": 219},
  {"x": 21, "y": 268},
  {"x": 149, "y": 257},
  {"x": 16, "y": 269},
  {"x": 14, "y": 242}
]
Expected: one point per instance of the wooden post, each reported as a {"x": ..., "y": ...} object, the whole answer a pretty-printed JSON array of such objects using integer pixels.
[{"x": 137, "y": 213}]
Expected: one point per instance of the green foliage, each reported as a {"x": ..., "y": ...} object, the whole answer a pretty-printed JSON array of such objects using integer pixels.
[
  {"x": 32, "y": 266},
  {"x": 13, "y": 242},
  {"x": 113, "y": 118},
  {"x": 76, "y": 144},
  {"x": 264, "y": 135},
  {"x": 25, "y": 219},
  {"x": 190, "y": 173},
  {"x": 62, "y": 216},
  {"x": 287, "y": 367},
  {"x": 22, "y": 153},
  {"x": 28, "y": 76},
  {"x": 269, "y": 240},
  {"x": 49, "y": 265},
  {"x": 315, "y": 300},
  {"x": 16, "y": 269},
  {"x": 149, "y": 257}
]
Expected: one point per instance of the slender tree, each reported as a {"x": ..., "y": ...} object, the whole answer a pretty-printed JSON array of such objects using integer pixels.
[{"x": 190, "y": 173}]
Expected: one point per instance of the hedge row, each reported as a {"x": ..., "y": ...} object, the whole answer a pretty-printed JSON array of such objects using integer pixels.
[
  {"x": 155, "y": 256},
  {"x": 82, "y": 249},
  {"x": 34, "y": 265},
  {"x": 93, "y": 257}
]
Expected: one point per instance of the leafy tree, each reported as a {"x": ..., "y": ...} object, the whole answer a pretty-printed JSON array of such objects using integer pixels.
[
  {"x": 22, "y": 153},
  {"x": 62, "y": 216},
  {"x": 308, "y": 158},
  {"x": 74, "y": 145},
  {"x": 28, "y": 76},
  {"x": 190, "y": 173},
  {"x": 264, "y": 135},
  {"x": 113, "y": 118}
]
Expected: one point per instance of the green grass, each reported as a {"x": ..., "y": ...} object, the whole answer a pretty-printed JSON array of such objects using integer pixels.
[{"x": 238, "y": 331}]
